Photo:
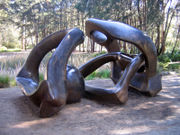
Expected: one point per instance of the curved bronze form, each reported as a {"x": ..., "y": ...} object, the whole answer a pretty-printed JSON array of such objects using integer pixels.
[
  {"x": 28, "y": 76},
  {"x": 52, "y": 94},
  {"x": 119, "y": 93},
  {"x": 99, "y": 29}
]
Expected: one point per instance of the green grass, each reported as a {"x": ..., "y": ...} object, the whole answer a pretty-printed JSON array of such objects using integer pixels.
[
  {"x": 168, "y": 66},
  {"x": 12, "y": 62},
  {"x": 100, "y": 53},
  {"x": 169, "y": 62},
  {"x": 41, "y": 77},
  {"x": 12, "y": 82},
  {"x": 168, "y": 57},
  {"x": 174, "y": 67},
  {"x": 4, "y": 49},
  {"x": 99, "y": 74},
  {"x": 4, "y": 81}
]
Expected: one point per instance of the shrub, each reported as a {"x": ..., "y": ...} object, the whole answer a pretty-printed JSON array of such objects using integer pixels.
[
  {"x": 164, "y": 58},
  {"x": 99, "y": 74},
  {"x": 4, "y": 81},
  {"x": 103, "y": 74},
  {"x": 176, "y": 56},
  {"x": 174, "y": 67},
  {"x": 10, "y": 44},
  {"x": 12, "y": 82},
  {"x": 168, "y": 67},
  {"x": 91, "y": 76},
  {"x": 3, "y": 49},
  {"x": 41, "y": 77},
  {"x": 168, "y": 57}
]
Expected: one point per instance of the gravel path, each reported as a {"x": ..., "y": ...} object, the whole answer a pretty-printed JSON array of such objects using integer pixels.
[{"x": 158, "y": 115}]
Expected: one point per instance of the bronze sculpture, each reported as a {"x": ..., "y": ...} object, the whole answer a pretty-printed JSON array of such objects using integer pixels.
[
  {"x": 65, "y": 84},
  {"x": 52, "y": 94},
  {"x": 116, "y": 30}
]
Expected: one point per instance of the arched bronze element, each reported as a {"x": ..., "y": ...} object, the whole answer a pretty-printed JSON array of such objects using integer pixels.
[
  {"x": 52, "y": 94},
  {"x": 28, "y": 76},
  {"x": 98, "y": 61},
  {"x": 151, "y": 82},
  {"x": 119, "y": 93}
]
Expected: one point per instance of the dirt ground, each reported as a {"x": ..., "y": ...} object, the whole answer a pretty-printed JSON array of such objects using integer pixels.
[{"x": 158, "y": 115}]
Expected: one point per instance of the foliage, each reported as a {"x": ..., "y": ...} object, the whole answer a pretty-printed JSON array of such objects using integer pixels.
[
  {"x": 103, "y": 74},
  {"x": 41, "y": 77},
  {"x": 168, "y": 67},
  {"x": 4, "y": 81},
  {"x": 169, "y": 62},
  {"x": 91, "y": 76},
  {"x": 98, "y": 54},
  {"x": 175, "y": 56},
  {"x": 174, "y": 67},
  {"x": 11, "y": 63},
  {"x": 37, "y": 19},
  {"x": 7, "y": 81},
  {"x": 5, "y": 49},
  {"x": 164, "y": 58},
  {"x": 9, "y": 39},
  {"x": 12, "y": 82},
  {"x": 99, "y": 74},
  {"x": 34, "y": 19},
  {"x": 169, "y": 57}
]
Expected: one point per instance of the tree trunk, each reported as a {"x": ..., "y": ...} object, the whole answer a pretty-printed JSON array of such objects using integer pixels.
[
  {"x": 139, "y": 15},
  {"x": 176, "y": 41},
  {"x": 158, "y": 39},
  {"x": 92, "y": 45}
]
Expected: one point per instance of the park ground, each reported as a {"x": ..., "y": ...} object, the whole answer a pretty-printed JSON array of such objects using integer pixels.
[{"x": 159, "y": 115}]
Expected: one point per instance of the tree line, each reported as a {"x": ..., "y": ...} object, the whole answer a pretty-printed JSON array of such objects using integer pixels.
[{"x": 35, "y": 19}]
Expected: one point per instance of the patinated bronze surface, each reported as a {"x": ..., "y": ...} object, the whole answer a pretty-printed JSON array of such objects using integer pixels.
[
  {"x": 52, "y": 94},
  {"x": 119, "y": 93},
  {"x": 147, "y": 81},
  {"x": 65, "y": 83}
]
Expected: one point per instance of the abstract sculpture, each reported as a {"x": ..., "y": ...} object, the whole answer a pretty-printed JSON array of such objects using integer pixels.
[{"x": 65, "y": 84}]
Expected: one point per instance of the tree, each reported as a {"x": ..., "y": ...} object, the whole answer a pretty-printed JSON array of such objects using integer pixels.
[{"x": 36, "y": 19}]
